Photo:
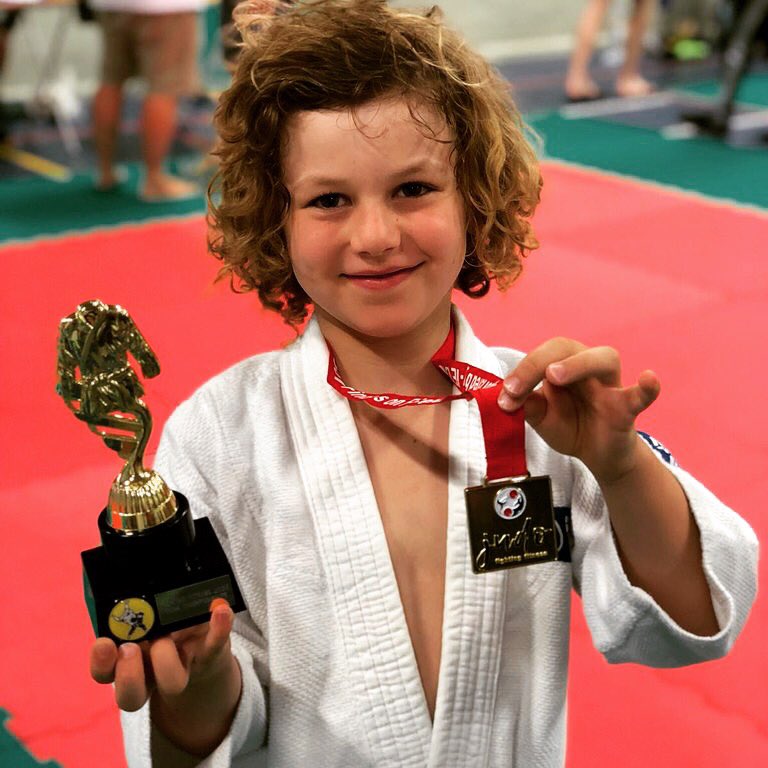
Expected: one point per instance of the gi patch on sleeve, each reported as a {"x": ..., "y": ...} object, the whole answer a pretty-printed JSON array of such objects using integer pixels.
[
  {"x": 564, "y": 533},
  {"x": 658, "y": 448}
]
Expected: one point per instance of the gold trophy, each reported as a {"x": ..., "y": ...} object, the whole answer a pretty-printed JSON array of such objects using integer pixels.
[{"x": 158, "y": 569}]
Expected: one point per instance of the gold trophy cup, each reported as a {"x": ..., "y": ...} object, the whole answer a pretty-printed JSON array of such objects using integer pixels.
[{"x": 157, "y": 569}]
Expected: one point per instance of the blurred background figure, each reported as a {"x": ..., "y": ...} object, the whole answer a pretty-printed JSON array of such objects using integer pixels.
[
  {"x": 7, "y": 20},
  {"x": 579, "y": 85},
  {"x": 230, "y": 37},
  {"x": 156, "y": 40},
  {"x": 8, "y": 17},
  {"x": 752, "y": 17}
]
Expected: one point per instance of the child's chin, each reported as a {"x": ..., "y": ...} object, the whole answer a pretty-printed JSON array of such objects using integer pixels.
[{"x": 395, "y": 327}]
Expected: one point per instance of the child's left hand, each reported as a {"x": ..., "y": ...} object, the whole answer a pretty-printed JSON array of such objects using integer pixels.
[{"x": 581, "y": 408}]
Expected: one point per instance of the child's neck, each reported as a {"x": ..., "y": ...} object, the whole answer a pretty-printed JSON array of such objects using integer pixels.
[{"x": 400, "y": 364}]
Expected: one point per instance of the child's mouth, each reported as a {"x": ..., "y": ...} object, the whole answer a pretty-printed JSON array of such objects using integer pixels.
[{"x": 374, "y": 280}]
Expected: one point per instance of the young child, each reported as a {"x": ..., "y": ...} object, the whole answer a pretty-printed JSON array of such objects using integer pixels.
[{"x": 370, "y": 164}]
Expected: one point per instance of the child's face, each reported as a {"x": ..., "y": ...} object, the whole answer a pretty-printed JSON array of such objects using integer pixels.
[{"x": 376, "y": 230}]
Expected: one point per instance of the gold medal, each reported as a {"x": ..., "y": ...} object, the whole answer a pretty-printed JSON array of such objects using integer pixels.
[{"x": 511, "y": 523}]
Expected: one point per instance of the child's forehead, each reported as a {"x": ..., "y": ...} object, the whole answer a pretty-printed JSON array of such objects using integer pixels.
[
  {"x": 373, "y": 119},
  {"x": 380, "y": 139}
]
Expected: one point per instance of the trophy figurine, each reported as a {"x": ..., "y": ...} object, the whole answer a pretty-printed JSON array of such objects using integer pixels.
[{"x": 157, "y": 569}]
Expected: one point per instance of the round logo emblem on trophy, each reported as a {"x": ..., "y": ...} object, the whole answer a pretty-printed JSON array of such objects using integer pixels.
[{"x": 131, "y": 619}]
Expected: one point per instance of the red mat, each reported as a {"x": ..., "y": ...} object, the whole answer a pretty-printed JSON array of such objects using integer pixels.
[{"x": 676, "y": 283}]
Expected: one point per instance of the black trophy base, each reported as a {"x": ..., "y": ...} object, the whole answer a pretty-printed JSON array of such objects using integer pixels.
[{"x": 145, "y": 585}]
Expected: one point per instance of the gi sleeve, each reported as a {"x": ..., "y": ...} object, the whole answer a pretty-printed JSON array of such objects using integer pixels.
[{"x": 626, "y": 623}]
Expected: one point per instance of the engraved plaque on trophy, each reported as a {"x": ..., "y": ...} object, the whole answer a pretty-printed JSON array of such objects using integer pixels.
[{"x": 157, "y": 569}]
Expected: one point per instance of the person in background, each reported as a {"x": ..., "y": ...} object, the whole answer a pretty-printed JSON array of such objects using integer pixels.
[
  {"x": 157, "y": 41},
  {"x": 579, "y": 85},
  {"x": 230, "y": 37},
  {"x": 8, "y": 18}
]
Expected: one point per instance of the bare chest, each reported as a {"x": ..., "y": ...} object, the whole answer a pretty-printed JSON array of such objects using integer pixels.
[{"x": 407, "y": 456}]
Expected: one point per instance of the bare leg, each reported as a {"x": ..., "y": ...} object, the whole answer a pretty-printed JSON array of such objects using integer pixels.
[
  {"x": 578, "y": 83},
  {"x": 107, "y": 106},
  {"x": 158, "y": 127},
  {"x": 630, "y": 82}
]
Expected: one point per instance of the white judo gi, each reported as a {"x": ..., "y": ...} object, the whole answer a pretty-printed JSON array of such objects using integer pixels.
[{"x": 270, "y": 452}]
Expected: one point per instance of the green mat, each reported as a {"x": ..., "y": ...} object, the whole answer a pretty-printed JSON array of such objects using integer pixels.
[
  {"x": 701, "y": 164},
  {"x": 38, "y": 207},
  {"x": 753, "y": 89},
  {"x": 12, "y": 753}
]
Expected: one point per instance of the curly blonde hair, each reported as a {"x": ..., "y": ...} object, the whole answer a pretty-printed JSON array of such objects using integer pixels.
[{"x": 340, "y": 54}]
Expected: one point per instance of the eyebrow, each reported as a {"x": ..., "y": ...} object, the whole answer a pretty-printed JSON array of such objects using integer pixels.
[
  {"x": 317, "y": 181},
  {"x": 420, "y": 166}
]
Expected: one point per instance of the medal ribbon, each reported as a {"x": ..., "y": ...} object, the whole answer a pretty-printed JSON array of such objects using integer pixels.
[{"x": 503, "y": 432}]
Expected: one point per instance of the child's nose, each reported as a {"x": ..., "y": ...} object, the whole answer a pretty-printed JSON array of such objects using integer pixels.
[{"x": 375, "y": 229}]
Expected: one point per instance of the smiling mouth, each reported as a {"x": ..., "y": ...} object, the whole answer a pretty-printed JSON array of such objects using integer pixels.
[{"x": 381, "y": 276}]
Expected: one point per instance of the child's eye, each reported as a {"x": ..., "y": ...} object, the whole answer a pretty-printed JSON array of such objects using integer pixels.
[
  {"x": 329, "y": 200},
  {"x": 414, "y": 189}
]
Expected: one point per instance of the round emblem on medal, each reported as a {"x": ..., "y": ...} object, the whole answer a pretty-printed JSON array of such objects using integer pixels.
[
  {"x": 509, "y": 503},
  {"x": 131, "y": 619}
]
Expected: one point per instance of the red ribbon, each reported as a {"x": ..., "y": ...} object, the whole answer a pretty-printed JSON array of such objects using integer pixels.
[{"x": 503, "y": 432}]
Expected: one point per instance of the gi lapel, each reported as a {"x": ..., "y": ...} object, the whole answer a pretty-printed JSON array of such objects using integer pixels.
[
  {"x": 364, "y": 593},
  {"x": 474, "y": 604}
]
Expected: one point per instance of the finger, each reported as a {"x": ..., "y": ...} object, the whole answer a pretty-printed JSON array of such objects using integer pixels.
[
  {"x": 642, "y": 394},
  {"x": 601, "y": 363},
  {"x": 220, "y": 626},
  {"x": 531, "y": 369},
  {"x": 149, "y": 675},
  {"x": 130, "y": 685},
  {"x": 171, "y": 676},
  {"x": 103, "y": 660}
]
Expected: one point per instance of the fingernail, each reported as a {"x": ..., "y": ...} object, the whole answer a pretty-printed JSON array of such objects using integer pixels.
[
  {"x": 216, "y": 602},
  {"x": 514, "y": 386},
  {"x": 556, "y": 371},
  {"x": 505, "y": 402},
  {"x": 129, "y": 650}
]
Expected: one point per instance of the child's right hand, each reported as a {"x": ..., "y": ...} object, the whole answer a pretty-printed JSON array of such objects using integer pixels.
[{"x": 182, "y": 674}]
